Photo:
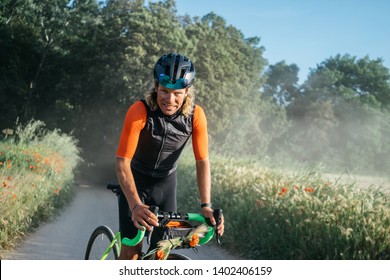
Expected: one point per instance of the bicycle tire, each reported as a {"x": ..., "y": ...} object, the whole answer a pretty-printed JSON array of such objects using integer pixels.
[
  {"x": 99, "y": 241},
  {"x": 177, "y": 256}
]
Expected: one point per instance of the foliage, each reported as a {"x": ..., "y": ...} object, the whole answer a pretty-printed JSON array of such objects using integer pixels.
[
  {"x": 348, "y": 78},
  {"x": 228, "y": 71},
  {"x": 338, "y": 117},
  {"x": 253, "y": 130},
  {"x": 78, "y": 65},
  {"x": 164, "y": 247},
  {"x": 37, "y": 173},
  {"x": 32, "y": 40},
  {"x": 282, "y": 83},
  {"x": 272, "y": 214}
]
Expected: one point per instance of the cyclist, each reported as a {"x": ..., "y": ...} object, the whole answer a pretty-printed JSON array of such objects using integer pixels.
[{"x": 154, "y": 134}]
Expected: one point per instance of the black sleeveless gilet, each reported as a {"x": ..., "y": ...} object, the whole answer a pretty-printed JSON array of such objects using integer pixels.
[{"x": 161, "y": 142}]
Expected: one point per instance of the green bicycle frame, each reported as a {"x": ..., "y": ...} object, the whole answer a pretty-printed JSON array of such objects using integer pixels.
[{"x": 117, "y": 239}]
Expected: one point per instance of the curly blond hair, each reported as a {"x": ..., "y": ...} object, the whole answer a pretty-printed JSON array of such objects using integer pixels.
[{"x": 189, "y": 103}]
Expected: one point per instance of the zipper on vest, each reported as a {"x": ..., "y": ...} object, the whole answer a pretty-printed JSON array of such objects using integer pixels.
[{"x": 162, "y": 146}]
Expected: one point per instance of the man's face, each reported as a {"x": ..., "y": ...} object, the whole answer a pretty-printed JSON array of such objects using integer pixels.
[{"x": 170, "y": 100}]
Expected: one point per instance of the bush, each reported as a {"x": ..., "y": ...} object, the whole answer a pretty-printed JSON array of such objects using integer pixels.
[{"x": 36, "y": 173}]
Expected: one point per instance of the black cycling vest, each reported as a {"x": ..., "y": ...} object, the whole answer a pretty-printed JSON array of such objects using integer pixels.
[{"x": 161, "y": 142}]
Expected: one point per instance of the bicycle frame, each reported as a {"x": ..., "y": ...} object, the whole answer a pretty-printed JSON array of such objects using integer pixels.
[
  {"x": 117, "y": 239},
  {"x": 116, "y": 242}
]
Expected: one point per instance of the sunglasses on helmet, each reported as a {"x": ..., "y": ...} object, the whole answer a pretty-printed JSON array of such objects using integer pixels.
[{"x": 167, "y": 82}]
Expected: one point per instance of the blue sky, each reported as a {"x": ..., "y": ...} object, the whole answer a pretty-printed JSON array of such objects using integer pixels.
[{"x": 306, "y": 32}]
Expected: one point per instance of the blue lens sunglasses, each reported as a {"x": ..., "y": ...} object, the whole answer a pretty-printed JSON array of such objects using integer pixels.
[{"x": 166, "y": 81}]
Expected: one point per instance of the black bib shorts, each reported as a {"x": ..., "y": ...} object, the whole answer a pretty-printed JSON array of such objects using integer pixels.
[{"x": 160, "y": 192}]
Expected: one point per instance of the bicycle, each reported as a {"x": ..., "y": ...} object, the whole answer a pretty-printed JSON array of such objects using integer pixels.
[{"x": 179, "y": 230}]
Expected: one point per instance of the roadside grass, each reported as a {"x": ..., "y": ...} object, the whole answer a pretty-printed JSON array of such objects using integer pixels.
[
  {"x": 36, "y": 176},
  {"x": 271, "y": 214}
]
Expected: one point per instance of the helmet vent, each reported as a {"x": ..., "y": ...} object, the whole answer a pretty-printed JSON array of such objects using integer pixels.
[{"x": 175, "y": 67}]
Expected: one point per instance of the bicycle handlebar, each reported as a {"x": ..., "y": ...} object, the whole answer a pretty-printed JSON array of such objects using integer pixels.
[{"x": 195, "y": 217}]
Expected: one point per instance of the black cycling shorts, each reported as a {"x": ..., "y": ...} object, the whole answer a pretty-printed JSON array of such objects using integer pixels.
[{"x": 160, "y": 192}]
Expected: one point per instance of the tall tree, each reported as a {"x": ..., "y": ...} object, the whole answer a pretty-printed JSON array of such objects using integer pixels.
[
  {"x": 347, "y": 77},
  {"x": 282, "y": 83},
  {"x": 36, "y": 29},
  {"x": 342, "y": 108},
  {"x": 229, "y": 70}
]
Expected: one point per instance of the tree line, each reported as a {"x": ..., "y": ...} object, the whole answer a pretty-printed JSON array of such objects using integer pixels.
[{"x": 78, "y": 65}]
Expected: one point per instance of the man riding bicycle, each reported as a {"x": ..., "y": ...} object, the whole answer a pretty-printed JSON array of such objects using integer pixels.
[{"x": 154, "y": 134}]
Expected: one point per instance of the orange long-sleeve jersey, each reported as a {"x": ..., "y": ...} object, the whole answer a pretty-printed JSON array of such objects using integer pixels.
[{"x": 154, "y": 141}]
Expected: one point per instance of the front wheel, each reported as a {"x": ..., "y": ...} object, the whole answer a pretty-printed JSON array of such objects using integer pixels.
[
  {"x": 101, "y": 246},
  {"x": 177, "y": 256}
]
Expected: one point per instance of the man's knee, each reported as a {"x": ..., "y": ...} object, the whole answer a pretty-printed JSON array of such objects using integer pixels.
[{"x": 130, "y": 253}]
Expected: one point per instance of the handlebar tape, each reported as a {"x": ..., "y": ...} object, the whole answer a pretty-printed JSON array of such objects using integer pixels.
[{"x": 137, "y": 239}]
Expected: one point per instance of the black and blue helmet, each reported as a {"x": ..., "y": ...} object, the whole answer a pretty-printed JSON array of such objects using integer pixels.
[{"x": 174, "y": 71}]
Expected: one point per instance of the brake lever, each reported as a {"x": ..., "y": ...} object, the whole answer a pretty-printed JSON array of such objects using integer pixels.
[
  {"x": 155, "y": 210},
  {"x": 218, "y": 218}
]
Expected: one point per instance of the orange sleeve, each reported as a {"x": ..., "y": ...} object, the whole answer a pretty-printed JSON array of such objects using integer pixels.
[
  {"x": 200, "y": 143},
  {"x": 135, "y": 121}
]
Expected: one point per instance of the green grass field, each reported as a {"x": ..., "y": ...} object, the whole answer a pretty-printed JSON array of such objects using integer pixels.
[{"x": 274, "y": 214}]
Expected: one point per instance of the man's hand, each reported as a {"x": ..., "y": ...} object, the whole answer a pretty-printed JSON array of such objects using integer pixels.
[
  {"x": 142, "y": 216},
  {"x": 208, "y": 213}
]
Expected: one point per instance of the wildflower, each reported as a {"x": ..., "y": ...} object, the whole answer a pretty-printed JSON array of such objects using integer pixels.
[
  {"x": 309, "y": 190},
  {"x": 13, "y": 200},
  {"x": 194, "y": 240},
  {"x": 4, "y": 184},
  {"x": 37, "y": 157},
  {"x": 160, "y": 255},
  {"x": 166, "y": 245},
  {"x": 296, "y": 187},
  {"x": 283, "y": 191}
]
